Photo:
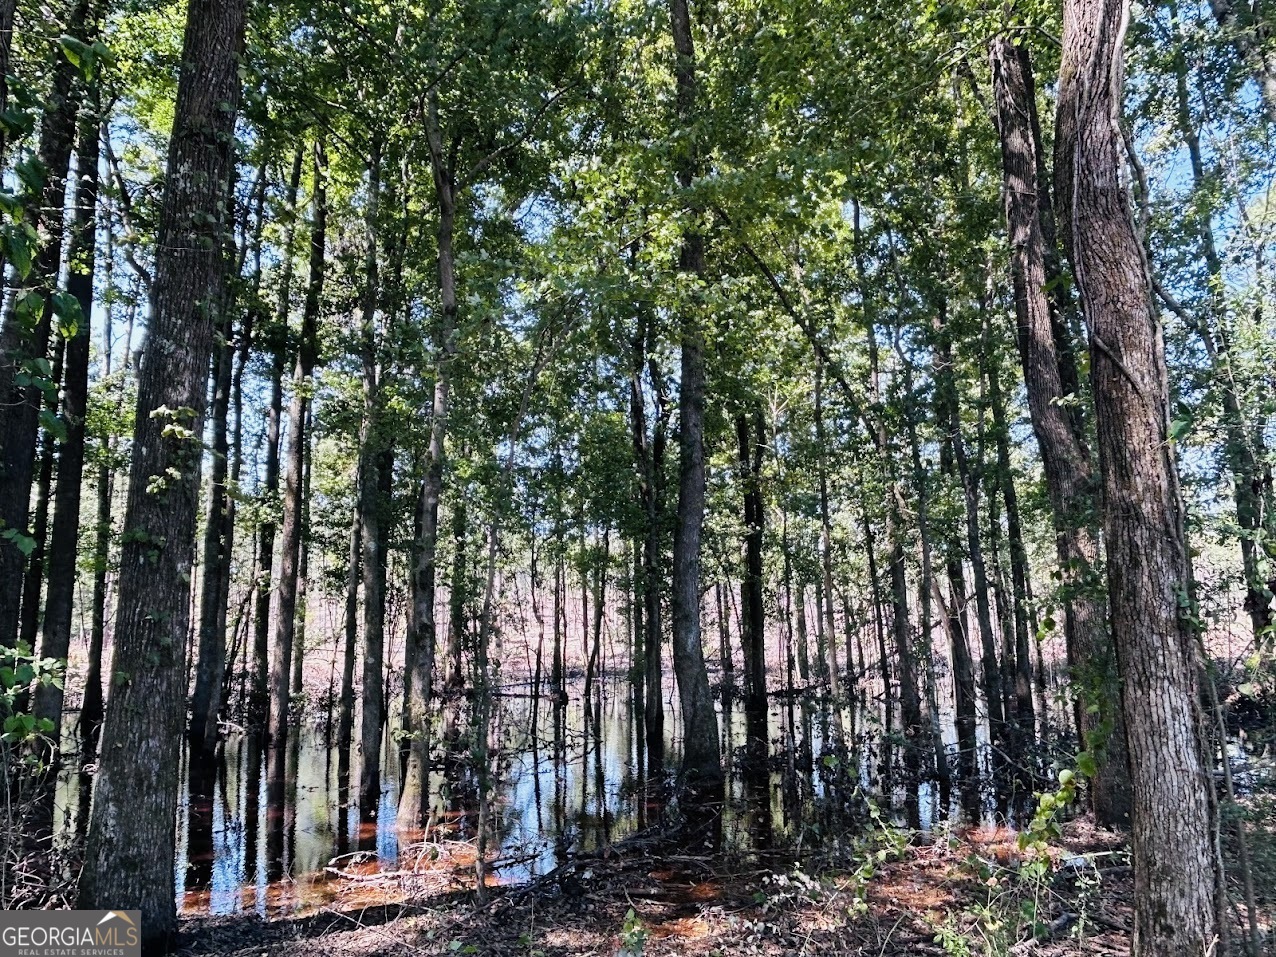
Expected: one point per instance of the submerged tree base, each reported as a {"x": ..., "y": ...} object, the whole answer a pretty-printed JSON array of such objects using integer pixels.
[{"x": 971, "y": 890}]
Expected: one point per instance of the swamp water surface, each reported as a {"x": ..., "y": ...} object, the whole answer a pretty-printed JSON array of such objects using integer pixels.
[{"x": 563, "y": 782}]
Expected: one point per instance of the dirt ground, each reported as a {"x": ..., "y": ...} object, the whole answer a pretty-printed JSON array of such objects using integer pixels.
[{"x": 958, "y": 893}]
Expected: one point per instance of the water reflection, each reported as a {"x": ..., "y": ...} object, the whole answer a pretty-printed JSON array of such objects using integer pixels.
[{"x": 275, "y": 832}]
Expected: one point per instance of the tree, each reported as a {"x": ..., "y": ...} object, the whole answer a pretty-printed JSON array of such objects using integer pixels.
[
  {"x": 701, "y": 758},
  {"x": 131, "y": 840},
  {"x": 1149, "y": 582},
  {"x": 290, "y": 539},
  {"x": 1049, "y": 371}
]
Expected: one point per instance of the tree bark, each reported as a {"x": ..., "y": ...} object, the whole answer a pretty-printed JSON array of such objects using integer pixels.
[
  {"x": 8, "y": 8},
  {"x": 1148, "y": 574},
  {"x": 259, "y": 694},
  {"x": 1045, "y": 352},
  {"x": 702, "y": 757},
  {"x": 966, "y": 472},
  {"x": 55, "y": 641},
  {"x": 211, "y": 639},
  {"x": 752, "y": 447},
  {"x": 824, "y": 592},
  {"x": 20, "y": 405},
  {"x": 345, "y": 720},
  {"x": 372, "y": 711},
  {"x": 33, "y": 579},
  {"x": 129, "y": 856},
  {"x": 1025, "y": 713},
  {"x": 414, "y": 799},
  {"x": 298, "y": 405}
]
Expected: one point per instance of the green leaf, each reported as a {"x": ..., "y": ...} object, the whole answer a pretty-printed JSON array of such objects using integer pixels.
[
  {"x": 22, "y": 542},
  {"x": 69, "y": 313},
  {"x": 74, "y": 50},
  {"x": 32, "y": 173},
  {"x": 1086, "y": 764},
  {"x": 18, "y": 251},
  {"x": 53, "y": 424}
]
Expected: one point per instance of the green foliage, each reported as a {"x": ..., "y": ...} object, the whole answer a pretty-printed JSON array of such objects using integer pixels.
[
  {"x": 633, "y": 936},
  {"x": 19, "y": 668}
]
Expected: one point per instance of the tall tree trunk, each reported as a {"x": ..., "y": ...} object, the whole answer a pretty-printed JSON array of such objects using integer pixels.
[
  {"x": 702, "y": 757},
  {"x": 826, "y": 567},
  {"x": 414, "y": 799},
  {"x": 33, "y": 579},
  {"x": 1045, "y": 351},
  {"x": 925, "y": 592},
  {"x": 7, "y": 10},
  {"x": 910, "y": 702},
  {"x": 296, "y": 685},
  {"x": 55, "y": 641},
  {"x": 966, "y": 472},
  {"x": 883, "y": 656},
  {"x": 128, "y": 860},
  {"x": 345, "y": 719},
  {"x": 259, "y": 694},
  {"x": 20, "y": 405},
  {"x": 1148, "y": 574},
  {"x": 752, "y": 446},
  {"x": 459, "y": 600},
  {"x": 222, "y": 681},
  {"x": 298, "y": 405},
  {"x": 91, "y": 705},
  {"x": 1025, "y": 713},
  {"x": 649, "y": 455},
  {"x": 371, "y": 509},
  {"x": 212, "y": 641}
]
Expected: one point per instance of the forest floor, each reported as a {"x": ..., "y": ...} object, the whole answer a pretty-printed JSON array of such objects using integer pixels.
[{"x": 961, "y": 892}]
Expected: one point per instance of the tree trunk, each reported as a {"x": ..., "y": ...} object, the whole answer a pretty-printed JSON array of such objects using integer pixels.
[
  {"x": 33, "y": 580},
  {"x": 1045, "y": 352},
  {"x": 20, "y": 406},
  {"x": 216, "y": 563},
  {"x": 752, "y": 447},
  {"x": 296, "y": 684},
  {"x": 129, "y": 856},
  {"x": 702, "y": 758},
  {"x": 414, "y": 799},
  {"x": 1025, "y": 713},
  {"x": 7, "y": 10},
  {"x": 825, "y": 591},
  {"x": 966, "y": 472},
  {"x": 649, "y": 456},
  {"x": 345, "y": 720},
  {"x": 1148, "y": 576},
  {"x": 910, "y": 702},
  {"x": 91, "y": 706},
  {"x": 298, "y": 405},
  {"x": 55, "y": 642},
  {"x": 259, "y": 694},
  {"x": 372, "y": 714},
  {"x": 925, "y": 592},
  {"x": 221, "y": 682}
]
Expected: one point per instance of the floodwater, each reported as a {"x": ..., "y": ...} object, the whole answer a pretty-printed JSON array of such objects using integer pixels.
[{"x": 572, "y": 783}]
